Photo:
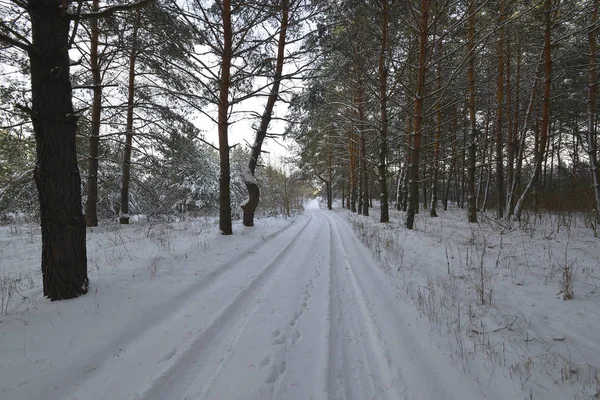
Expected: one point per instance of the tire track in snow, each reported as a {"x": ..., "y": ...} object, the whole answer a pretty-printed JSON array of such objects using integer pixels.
[
  {"x": 358, "y": 364},
  {"x": 177, "y": 308},
  {"x": 303, "y": 323},
  {"x": 185, "y": 374},
  {"x": 418, "y": 369}
]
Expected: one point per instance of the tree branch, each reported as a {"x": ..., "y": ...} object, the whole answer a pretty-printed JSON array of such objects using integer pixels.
[
  {"x": 109, "y": 11},
  {"x": 8, "y": 40}
]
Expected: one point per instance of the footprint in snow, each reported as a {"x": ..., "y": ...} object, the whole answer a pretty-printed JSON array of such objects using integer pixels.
[
  {"x": 279, "y": 340},
  {"x": 265, "y": 361}
]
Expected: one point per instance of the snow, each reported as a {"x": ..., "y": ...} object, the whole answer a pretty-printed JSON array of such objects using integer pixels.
[
  {"x": 248, "y": 177},
  {"x": 300, "y": 308}
]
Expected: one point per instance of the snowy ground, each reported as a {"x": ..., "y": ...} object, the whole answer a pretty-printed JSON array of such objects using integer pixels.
[
  {"x": 493, "y": 296},
  {"x": 300, "y": 309}
]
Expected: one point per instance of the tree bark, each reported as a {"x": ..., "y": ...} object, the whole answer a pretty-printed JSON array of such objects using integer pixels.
[
  {"x": 223, "y": 122},
  {"x": 383, "y": 76},
  {"x": 56, "y": 174},
  {"x": 499, "y": 104},
  {"x": 591, "y": 110},
  {"x": 472, "y": 210},
  {"x": 418, "y": 104},
  {"x": 363, "y": 151},
  {"x": 543, "y": 134},
  {"x": 436, "y": 143},
  {"x": 249, "y": 207},
  {"x": 124, "y": 217},
  {"x": 91, "y": 212}
]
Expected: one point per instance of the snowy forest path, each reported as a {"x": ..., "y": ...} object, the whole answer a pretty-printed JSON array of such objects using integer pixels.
[{"x": 308, "y": 315}]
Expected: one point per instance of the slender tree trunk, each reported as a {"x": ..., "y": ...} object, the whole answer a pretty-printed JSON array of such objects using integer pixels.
[
  {"x": 484, "y": 165},
  {"x": 521, "y": 143},
  {"x": 352, "y": 144},
  {"x": 405, "y": 179},
  {"x": 383, "y": 76},
  {"x": 436, "y": 143},
  {"x": 249, "y": 207},
  {"x": 512, "y": 133},
  {"x": 539, "y": 156},
  {"x": 223, "y": 122},
  {"x": 416, "y": 139},
  {"x": 124, "y": 217},
  {"x": 56, "y": 174},
  {"x": 91, "y": 212},
  {"x": 329, "y": 174},
  {"x": 591, "y": 110},
  {"x": 498, "y": 128},
  {"x": 363, "y": 151},
  {"x": 452, "y": 157},
  {"x": 472, "y": 213}
]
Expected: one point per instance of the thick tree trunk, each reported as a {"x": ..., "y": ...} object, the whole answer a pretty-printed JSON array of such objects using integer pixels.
[
  {"x": 223, "y": 122},
  {"x": 249, "y": 207},
  {"x": 418, "y": 104},
  {"x": 64, "y": 260},
  {"x": 124, "y": 217},
  {"x": 383, "y": 75},
  {"x": 91, "y": 212},
  {"x": 472, "y": 211}
]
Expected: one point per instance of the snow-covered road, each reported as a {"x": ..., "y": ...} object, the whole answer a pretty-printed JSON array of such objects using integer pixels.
[{"x": 305, "y": 315}]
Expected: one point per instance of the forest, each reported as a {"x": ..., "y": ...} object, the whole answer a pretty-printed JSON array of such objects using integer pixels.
[
  {"x": 443, "y": 132},
  {"x": 487, "y": 105}
]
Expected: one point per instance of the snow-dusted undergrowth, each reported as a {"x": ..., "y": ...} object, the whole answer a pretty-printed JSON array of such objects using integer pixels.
[{"x": 493, "y": 294}]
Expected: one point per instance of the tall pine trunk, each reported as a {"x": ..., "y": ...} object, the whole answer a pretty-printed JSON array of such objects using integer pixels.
[
  {"x": 223, "y": 122},
  {"x": 64, "y": 260},
  {"x": 438, "y": 132},
  {"x": 91, "y": 204},
  {"x": 383, "y": 74},
  {"x": 124, "y": 217},
  {"x": 498, "y": 127},
  {"x": 472, "y": 210},
  {"x": 591, "y": 110},
  {"x": 249, "y": 207},
  {"x": 543, "y": 132},
  {"x": 418, "y": 118},
  {"x": 363, "y": 152}
]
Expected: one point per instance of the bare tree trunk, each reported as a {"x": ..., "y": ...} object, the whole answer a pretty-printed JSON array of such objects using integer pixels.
[
  {"x": 56, "y": 174},
  {"x": 363, "y": 151},
  {"x": 416, "y": 140},
  {"x": 591, "y": 110},
  {"x": 499, "y": 103},
  {"x": 91, "y": 204},
  {"x": 452, "y": 157},
  {"x": 484, "y": 166},
  {"x": 249, "y": 207},
  {"x": 521, "y": 145},
  {"x": 405, "y": 179},
  {"x": 539, "y": 156},
  {"x": 223, "y": 122},
  {"x": 436, "y": 143},
  {"x": 383, "y": 76},
  {"x": 352, "y": 146},
  {"x": 124, "y": 217},
  {"x": 512, "y": 133},
  {"x": 329, "y": 175},
  {"x": 472, "y": 212}
]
